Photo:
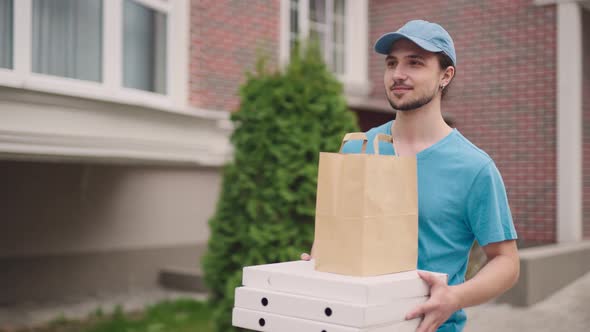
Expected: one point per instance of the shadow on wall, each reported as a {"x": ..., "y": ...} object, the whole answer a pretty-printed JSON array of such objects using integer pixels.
[{"x": 47, "y": 205}]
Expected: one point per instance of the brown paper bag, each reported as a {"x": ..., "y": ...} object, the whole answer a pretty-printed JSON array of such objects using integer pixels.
[{"x": 366, "y": 212}]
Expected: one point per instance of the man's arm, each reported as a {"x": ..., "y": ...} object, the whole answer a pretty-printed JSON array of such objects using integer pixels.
[{"x": 498, "y": 275}]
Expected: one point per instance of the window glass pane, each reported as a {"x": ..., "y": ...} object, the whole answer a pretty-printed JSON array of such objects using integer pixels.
[
  {"x": 339, "y": 7},
  {"x": 67, "y": 38},
  {"x": 338, "y": 36},
  {"x": 338, "y": 60},
  {"x": 317, "y": 11},
  {"x": 144, "y": 48},
  {"x": 338, "y": 30},
  {"x": 293, "y": 22},
  {"x": 294, "y": 18},
  {"x": 6, "y": 33},
  {"x": 318, "y": 36}
]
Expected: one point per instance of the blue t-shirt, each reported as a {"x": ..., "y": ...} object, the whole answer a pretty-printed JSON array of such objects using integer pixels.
[{"x": 461, "y": 197}]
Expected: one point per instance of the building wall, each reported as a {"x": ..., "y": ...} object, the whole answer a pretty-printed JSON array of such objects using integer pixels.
[
  {"x": 73, "y": 208},
  {"x": 76, "y": 229},
  {"x": 503, "y": 98},
  {"x": 226, "y": 37}
]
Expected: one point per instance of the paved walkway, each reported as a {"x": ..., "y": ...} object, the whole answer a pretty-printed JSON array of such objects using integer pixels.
[{"x": 567, "y": 310}]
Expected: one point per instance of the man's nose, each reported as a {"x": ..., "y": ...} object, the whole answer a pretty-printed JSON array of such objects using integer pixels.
[{"x": 399, "y": 74}]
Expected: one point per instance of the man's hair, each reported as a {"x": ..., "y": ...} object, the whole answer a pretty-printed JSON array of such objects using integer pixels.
[{"x": 445, "y": 61}]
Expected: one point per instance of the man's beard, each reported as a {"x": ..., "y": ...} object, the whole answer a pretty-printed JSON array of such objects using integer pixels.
[{"x": 412, "y": 105}]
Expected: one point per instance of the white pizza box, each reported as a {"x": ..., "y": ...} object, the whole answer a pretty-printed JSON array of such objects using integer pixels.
[
  {"x": 330, "y": 311},
  {"x": 263, "y": 321},
  {"x": 301, "y": 278}
]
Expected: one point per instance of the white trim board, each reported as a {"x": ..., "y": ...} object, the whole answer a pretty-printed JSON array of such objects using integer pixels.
[
  {"x": 569, "y": 122},
  {"x": 553, "y": 2},
  {"x": 36, "y": 126},
  {"x": 42, "y": 146}
]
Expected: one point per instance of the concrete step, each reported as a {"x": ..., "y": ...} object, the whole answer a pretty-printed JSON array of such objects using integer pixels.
[
  {"x": 547, "y": 269},
  {"x": 182, "y": 279}
]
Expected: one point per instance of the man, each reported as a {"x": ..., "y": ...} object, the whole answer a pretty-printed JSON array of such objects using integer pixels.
[{"x": 461, "y": 194}]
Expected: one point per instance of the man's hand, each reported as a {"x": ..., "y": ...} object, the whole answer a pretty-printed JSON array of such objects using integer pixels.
[
  {"x": 441, "y": 305},
  {"x": 306, "y": 256},
  {"x": 497, "y": 276}
]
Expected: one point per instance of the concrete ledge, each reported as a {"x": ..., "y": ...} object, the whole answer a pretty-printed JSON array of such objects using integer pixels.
[
  {"x": 69, "y": 277},
  {"x": 546, "y": 269}
]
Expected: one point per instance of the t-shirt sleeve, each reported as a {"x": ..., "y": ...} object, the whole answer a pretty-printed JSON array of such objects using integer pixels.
[{"x": 488, "y": 211}]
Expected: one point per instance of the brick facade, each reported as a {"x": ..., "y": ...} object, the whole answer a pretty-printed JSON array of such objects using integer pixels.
[
  {"x": 225, "y": 38},
  {"x": 503, "y": 98}
]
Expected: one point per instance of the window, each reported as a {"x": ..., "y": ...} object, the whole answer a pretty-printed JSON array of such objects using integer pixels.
[
  {"x": 6, "y": 13},
  {"x": 114, "y": 50},
  {"x": 341, "y": 27},
  {"x": 144, "y": 51},
  {"x": 322, "y": 21},
  {"x": 67, "y": 38}
]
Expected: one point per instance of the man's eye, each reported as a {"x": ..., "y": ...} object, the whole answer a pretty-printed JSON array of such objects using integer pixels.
[
  {"x": 390, "y": 64},
  {"x": 415, "y": 63}
]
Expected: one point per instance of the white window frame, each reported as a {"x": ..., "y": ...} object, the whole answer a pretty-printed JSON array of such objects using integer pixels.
[
  {"x": 111, "y": 88},
  {"x": 355, "y": 76}
]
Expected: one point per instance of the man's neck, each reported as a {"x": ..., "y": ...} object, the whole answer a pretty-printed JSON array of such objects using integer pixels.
[{"x": 420, "y": 127}]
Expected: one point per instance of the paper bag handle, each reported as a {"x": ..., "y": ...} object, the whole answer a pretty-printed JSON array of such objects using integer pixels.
[
  {"x": 362, "y": 136},
  {"x": 354, "y": 136}
]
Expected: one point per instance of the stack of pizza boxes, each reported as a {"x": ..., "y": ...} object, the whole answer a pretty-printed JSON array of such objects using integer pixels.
[{"x": 295, "y": 297}]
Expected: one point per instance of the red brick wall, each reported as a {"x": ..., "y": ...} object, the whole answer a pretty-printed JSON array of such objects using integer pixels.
[
  {"x": 586, "y": 124},
  {"x": 225, "y": 36},
  {"x": 503, "y": 98}
]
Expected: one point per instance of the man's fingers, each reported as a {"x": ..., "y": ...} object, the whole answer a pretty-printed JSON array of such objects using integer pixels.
[
  {"x": 421, "y": 309},
  {"x": 427, "y": 324},
  {"x": 305, "y": 257},
  {"x": 417, "y": 312},
  {"x": 430, "y": 279}
]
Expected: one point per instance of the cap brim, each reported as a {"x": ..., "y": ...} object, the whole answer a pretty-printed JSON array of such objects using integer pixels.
[{"x": 384, "y": 43}]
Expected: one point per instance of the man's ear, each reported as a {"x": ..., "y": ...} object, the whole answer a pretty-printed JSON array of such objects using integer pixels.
[{"x": 448, "y": 75}]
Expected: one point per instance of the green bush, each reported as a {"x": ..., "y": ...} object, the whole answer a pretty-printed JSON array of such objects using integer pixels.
[{"x": 266, "y": 210}]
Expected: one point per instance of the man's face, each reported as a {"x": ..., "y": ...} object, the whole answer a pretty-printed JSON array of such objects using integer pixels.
[{"x": 411, "y": 76}]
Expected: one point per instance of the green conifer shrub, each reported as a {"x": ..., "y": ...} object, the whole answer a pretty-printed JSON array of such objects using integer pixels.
[{"x": 265, "y": 213}]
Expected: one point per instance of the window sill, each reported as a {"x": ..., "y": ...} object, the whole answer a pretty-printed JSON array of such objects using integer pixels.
[{"x": 96, "y": 91}]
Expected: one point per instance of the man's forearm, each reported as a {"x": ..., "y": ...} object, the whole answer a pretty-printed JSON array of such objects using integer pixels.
[{"x": 496, "y": 277}]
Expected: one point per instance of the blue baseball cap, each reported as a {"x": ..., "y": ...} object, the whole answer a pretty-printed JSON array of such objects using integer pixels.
[{"x": 429, "y": 36}]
